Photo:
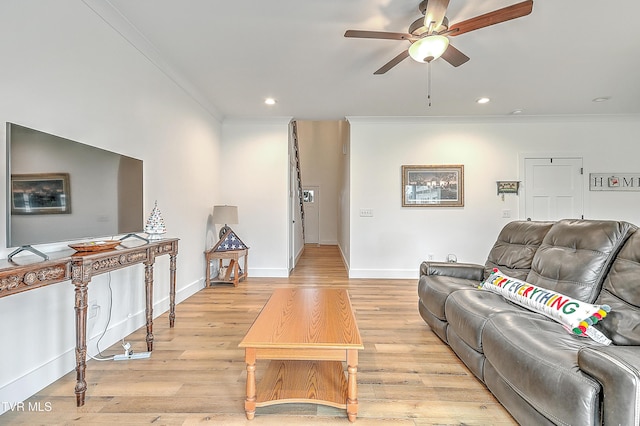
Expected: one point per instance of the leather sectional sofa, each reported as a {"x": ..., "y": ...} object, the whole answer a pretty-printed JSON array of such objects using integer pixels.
[{"x": 538, "y": 370}]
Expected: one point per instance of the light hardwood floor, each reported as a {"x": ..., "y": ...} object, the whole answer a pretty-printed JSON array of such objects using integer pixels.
[{"x": 406, "y": 375}]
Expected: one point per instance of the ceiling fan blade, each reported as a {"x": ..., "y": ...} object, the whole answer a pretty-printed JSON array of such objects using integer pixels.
[
  {"x": 434, "y": 12},
  {"x": 497, "y": 16},
  {"x": 454, "y": 56},
  {"x": 392, "y": 63},
  {"x": 379, "y": 35}
]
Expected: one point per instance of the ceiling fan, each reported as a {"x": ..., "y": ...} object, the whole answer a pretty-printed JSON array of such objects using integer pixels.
[{"x": 429, "y": 35}]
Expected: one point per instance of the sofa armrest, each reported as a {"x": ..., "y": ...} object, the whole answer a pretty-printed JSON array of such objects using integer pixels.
[
  {"x": 469, "y": 271},
  {"x": 617, "y": 368}
]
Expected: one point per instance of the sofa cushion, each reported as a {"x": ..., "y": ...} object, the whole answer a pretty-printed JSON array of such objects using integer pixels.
[
  {"x": 575, "y": 256},
  {"x": 436, "y": 325},
  {"x": 542, "y": 367},
  {"x": 515, "y": 247},
  {"x": 577, "y": 316},
  {"x": 516, "y": 404},
  {"x": 434, "y": 290},
  {"x": 468, "y": 312},
  {"x": 621, "y": 291}
]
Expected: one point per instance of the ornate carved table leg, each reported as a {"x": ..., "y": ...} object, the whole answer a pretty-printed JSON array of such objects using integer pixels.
[
  {"x": 352, "y": 385},
  {"x": 80, "y": 284},
  {"x": 148, "y": 281},
  {"x": 250, "y": 402},
  {"x": 172, "y": 288}
]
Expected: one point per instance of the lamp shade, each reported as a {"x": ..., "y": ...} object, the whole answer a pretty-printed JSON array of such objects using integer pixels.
[
  {"x": 225, "y": 214},
  {"x": 428, "y": 48}
]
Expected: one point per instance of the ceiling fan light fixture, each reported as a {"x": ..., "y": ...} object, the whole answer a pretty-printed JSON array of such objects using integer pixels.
[{"x": 428, "y": 48}]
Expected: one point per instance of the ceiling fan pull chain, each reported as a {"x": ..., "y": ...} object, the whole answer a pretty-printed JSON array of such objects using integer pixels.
[{"x": 429, "y": 83}]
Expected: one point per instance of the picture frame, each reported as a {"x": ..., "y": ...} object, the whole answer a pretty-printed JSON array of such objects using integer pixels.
[
  {"x": 40, "y": 193},
  {"x": 508, "y": 186},
  {"x": 433, "y": 185}
]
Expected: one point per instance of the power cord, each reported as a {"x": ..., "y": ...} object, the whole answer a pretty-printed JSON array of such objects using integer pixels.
[{"x": 102, "y": 357}]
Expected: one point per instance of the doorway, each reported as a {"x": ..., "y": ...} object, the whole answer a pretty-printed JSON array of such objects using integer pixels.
[{"x": 311, "y": 199}]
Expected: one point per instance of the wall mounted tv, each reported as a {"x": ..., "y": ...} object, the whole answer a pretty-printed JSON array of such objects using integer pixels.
[{"x": 61, "y": 190}]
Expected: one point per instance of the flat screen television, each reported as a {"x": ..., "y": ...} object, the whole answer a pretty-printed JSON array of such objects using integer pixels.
[{"x": 60, "y": 190}]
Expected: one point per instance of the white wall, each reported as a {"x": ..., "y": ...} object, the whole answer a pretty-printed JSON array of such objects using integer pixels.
[
  {"x": 66, "y": 72},
  {"x": 255, "y": 174},
  {"x": 397, "y": 239}
]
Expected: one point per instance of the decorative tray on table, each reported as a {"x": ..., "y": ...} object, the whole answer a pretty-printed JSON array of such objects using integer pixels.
[{"x": 95, "y": 245}]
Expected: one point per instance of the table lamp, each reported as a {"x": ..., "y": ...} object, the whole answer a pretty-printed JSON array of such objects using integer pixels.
[{"x": 225, "y": 215}]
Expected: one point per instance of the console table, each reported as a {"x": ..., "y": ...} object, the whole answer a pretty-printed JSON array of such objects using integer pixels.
[{"x": 80, "y": 267}]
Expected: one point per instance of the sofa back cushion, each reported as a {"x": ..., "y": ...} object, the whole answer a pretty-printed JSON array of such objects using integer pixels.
[
  {"x": 621, "y": 291},
  {"x": 576, "y": 255},
  {"x": 515, "y": 247}
]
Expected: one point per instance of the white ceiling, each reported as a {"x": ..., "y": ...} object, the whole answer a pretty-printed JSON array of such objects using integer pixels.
[{"x": 233, "y": 54}]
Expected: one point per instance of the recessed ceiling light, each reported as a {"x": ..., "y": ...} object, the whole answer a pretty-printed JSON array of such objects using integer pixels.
[
  {"x": 517, "y": 111},
  {"x": 601, "y": 99},
  {"x": 482, "y": 100},
  {"x": 270, "y": 101}
]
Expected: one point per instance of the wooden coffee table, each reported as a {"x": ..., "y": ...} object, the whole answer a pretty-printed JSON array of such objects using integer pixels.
[{"x": 307, "y": 333}]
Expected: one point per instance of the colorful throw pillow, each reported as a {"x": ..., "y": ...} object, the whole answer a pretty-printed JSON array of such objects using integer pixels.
[{"x": 575, "y": 315}]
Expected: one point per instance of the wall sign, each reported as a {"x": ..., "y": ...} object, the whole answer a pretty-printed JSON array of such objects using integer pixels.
[
  {"x": 508, "y": 186},
  {"x": 614, "y": 181}
]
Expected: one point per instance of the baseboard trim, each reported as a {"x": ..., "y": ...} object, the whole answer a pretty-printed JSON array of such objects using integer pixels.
[
  {"x": 345, "y": 262},
  {"x": 400, "y": 274},
  {"x": 268, "y": 273}
]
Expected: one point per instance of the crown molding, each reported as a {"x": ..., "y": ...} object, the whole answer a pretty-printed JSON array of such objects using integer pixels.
[{"x": 509, "y": 119}]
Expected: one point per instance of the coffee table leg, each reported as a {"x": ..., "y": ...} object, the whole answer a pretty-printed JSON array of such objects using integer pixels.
[
  {"x": 250, "y": 402},
  {"x": 352, "y": 385}
]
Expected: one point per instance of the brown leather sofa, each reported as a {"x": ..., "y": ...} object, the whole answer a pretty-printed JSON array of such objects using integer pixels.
[{"x": 541, "y": 373}]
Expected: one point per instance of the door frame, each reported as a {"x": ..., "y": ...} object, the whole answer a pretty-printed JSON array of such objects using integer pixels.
[{"x": 523, "y": 156}]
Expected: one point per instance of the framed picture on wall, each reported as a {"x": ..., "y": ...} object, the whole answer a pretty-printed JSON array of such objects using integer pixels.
[
  {"x": 433, "y": 186},
  {"x": 41, "y": 193}
]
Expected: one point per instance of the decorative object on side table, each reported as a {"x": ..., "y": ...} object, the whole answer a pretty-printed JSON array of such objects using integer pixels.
[
  {"x": 225, "y": 215},
  {"x": 232, "y": 248},
  {"x": 92, "y": 246},
  {"x": 155, "y": 227}
]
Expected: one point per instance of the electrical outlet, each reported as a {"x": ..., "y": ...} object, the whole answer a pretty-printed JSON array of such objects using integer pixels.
[
  {"x": 506, "y": 213},
  {"x": 430, "y": 256},
  {"x": 93, "y": 309},
  {"x": 366, "y": 212}
]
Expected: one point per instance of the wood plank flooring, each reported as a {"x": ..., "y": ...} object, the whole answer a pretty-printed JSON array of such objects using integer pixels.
[{"x": 196, "y": 375}]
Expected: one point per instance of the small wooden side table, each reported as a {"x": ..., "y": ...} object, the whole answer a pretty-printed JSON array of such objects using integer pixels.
[{"x": 234, "y": 264}]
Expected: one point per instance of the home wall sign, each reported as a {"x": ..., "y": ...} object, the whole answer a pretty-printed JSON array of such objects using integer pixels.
[{"x": 614, "y": 181}]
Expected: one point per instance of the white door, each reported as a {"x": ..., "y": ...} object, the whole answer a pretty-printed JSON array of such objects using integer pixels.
[
  {"x": 311, "y": 198},
  {"x": 553, "y": 188}
]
